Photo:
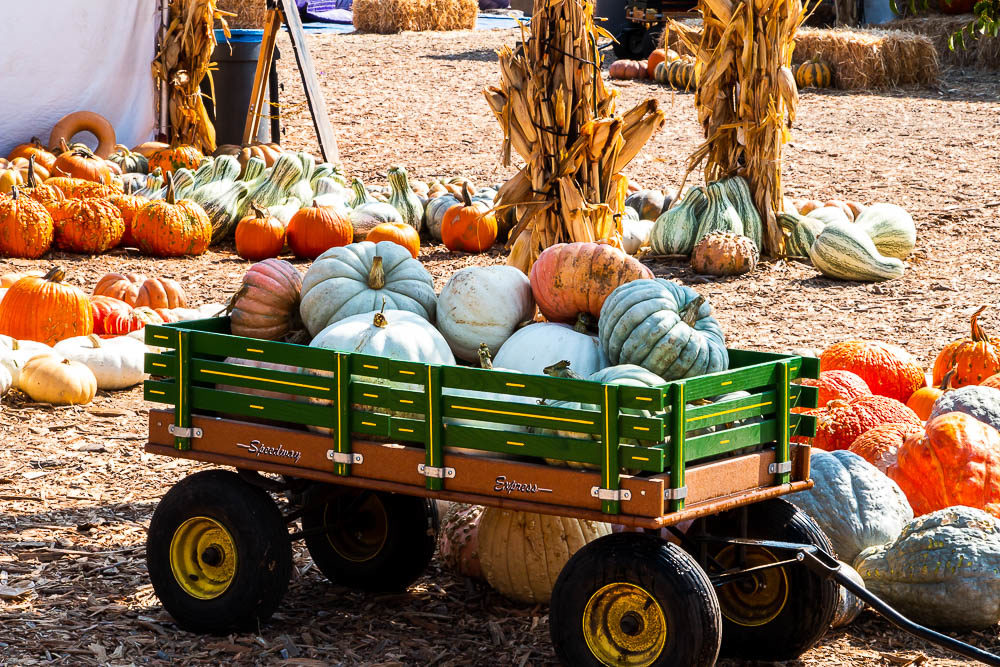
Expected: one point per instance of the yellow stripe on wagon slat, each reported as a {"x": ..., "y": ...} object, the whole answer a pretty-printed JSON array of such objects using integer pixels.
[
  {"x": 260, "y": 379},
  {"x": 521, "y": 414}
]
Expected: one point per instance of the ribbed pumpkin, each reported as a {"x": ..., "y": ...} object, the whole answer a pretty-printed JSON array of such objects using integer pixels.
[
  {"x": 922, "y": 401},
  {"x": 259, "y": 235},
  {"x": 522, "y": 553},
  {"x": 121, "y": 286},
  {"x": 26, "y": 228},
  {"x": 974, "y": 358},
  {"x": 468, "y": 226},
  {"x": 128, "y": 161},
  {"x": 267, "y": 303},
  {"x": 655, "y": 58},
  {"x": 128, "y": 206},
  {"x": 568, "y": 279},
  {"x": 840, "y": 423},
  {"x": 45, "y": 310},
  {"x": 90, "y": 226},
  {"x": 119, "y": 323},
  {"x": 78, "y": 188},
  {"x": 880, "y": 445},
  {"x": 399, "y": 233},
  {"x": 458, "y": 540},
  {"x": 83, "y": 164},
  {"x": 47, "y": 378},
  {"x": 815, "y": 74},
  {"x": 315, "y": 229},
  {"x": 160, "y": 293},
  {"x": 724, "y": 254},
  {"x": 680, "y": 75},
  {"x": 170, "y": 228},
  {"x": 34, "y": 148},
  {"x": 955, "y": 462},
  {"x": 102, "y": 306},
  {"x": 836, "y": 385},
  {"x": 175, "y": 157},
  {"x": 887, "y": 369}
]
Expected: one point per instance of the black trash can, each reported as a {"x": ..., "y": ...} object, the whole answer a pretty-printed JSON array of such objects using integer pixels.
[{"x": 237, "y": 65}]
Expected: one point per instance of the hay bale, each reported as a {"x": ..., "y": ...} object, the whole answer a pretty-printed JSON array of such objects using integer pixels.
[
  {"x": 249, "y": 13},
  {"x": 979, "y": 53},
  {"x": 392, "y": 16},
  {"x": 870, "y": 59}
]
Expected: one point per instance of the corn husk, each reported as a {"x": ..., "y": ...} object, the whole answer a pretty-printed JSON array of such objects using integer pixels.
[
  {"x": 746, "y": 96},
  {"x": 558, "y": 116},
  {"x": 184, "y": 59}
]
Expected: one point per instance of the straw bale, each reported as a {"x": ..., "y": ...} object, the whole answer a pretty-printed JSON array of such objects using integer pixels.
[
  {"x": 249, "y": 14},
  {"x": 392, "y": 16},
  {"x": 679, "y": 34},
  {"x": 870, "y": 59},
  {"x": 979, "y": 53}
]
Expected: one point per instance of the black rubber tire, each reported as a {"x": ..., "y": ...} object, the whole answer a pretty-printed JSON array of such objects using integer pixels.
[
  {"x": 262, "y": 547},
  {"x": 667, "y": 573},
  {"x": 811, "y": 599},
  {"x": 406, "y": 537},
  {"x": 632, "y": 43}
]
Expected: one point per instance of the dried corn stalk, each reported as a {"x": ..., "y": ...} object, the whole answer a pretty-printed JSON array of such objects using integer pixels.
[
  {"x": 184, "y": 59},
  {"x": 746, "y": 97},
  {"x": 559, "y": 117}
]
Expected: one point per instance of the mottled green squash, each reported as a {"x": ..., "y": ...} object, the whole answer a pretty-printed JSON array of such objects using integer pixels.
[
  {"x": 404, "y": 199},
  {"x": 800, "y": 232},
  {"x": 845, "y": 251},
  {"x": 720, "y": 215},
  {"x": 891, "y": 229},
  {"x": 739, "y": 194},
  {"x": 674, "y": 231}
]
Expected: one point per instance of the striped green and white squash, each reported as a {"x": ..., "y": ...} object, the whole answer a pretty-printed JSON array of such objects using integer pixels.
[
  {"x": 843, "y": 250},
  {"x": 674, "y": 231},
  {"x": 720, "y": 215},
  {"x": 800, "y": 232},
  {"x": 891, "y": 228},
  {"x": 738, "y": 191},
  {"x": 287, "y": 171}
]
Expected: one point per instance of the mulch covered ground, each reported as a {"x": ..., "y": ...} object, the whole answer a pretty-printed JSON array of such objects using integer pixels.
[{"x": 77, "y": 491}]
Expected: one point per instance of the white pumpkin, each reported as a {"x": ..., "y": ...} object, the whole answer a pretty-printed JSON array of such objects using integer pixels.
[
  {"x": 363, "y": 278},
  {"x": 483, "y": 304},
  {"x": 47, "y": 378},
  {"x": 539, "y": 345},
  {"x": 365, "y": 217},
  {"x": 117, "y": 363},
  {"x": 14, "y": 354},
  {"x": 635, "y": 234}
]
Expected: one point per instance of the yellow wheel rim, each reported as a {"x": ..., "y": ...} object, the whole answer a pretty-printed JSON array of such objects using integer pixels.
[
  {"x": 624, "y": 625},
  {"x": 756, "y": 599},
  {"x": 360, "y": 535},
  {"x": 203, "y": 557}
]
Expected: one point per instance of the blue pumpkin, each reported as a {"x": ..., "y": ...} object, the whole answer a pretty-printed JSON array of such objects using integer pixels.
[
  {"x": 983, "y": 403},
  {"x": 664, "y": 327}
]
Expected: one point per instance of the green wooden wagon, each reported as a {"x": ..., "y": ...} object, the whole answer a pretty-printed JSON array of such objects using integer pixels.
[{"x": 358, "y": 448}]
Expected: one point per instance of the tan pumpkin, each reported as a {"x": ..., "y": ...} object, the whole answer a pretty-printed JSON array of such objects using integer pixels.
[
  {"x": 724, "y": 254},
  {"x": 522, "y": 553},
  {"x": 8, "y": 279},
  {"x": 121, "y": 286},
  {"x": 48, "y": 378},
  {"x": 136, "y": 290}
]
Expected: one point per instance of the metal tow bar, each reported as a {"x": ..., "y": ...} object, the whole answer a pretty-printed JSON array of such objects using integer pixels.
[{"x": 826, "y": 565}]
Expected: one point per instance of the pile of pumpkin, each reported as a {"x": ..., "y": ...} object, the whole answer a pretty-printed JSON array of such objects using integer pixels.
[
  {"x": 60, "y": 346},
  {"x": 662, "y": 66}
]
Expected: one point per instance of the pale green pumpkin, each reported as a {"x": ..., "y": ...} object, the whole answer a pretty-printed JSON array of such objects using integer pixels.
[{"x": 674, "y": 231}]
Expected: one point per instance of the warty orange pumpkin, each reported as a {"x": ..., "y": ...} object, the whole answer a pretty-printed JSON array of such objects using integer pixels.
[
  {"x": 89, "y": 226},
  {"x": 840, "y": 423},
  {"x": 170, "y": 228},
  {"x": 78, "y": 188},
  {"x": 175, "y": 157},
  {"x": 128, "y": 206},
  {"x": 835, "y": 385},
  {"x": 887, "y": 369},
  {"x": 42, "y": 192},
  {"x": 45, "y": 309},
  {"x": 26, "y": 227},
  {"x": 974, "y": 358},
  {"x": 880, "y": 445}
]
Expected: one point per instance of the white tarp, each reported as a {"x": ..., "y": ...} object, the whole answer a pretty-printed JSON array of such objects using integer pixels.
[{"x": 61, "y": 56}]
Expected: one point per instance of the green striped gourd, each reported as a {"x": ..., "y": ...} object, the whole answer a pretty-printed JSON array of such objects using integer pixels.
[
  {"x": 660, "y": 73},
  {"x": 680, "y": 75},
  {"x": 224, "y": 202},
  {"x": 183, "y": 183},
  {"x": 226, "y": 168},
  {"x": 287, "y": 171},
  {"x": 843, "y": 250},
  {"x": 800, "y": 232},
  {"x": 203, "y": 174},
  {"x": 361, "y": 195},
  {"x": 253, "y": 170},
  {"x": 323, "y": 169},
  {"x": 739, "y": 194},
  {"x": 720, "y": 215},
  {"x": 890, "y": 227},
  {"x": 674, "y": 231},
  {"x": 404, "y": 199},
  {"x": 308, "y": 165}
]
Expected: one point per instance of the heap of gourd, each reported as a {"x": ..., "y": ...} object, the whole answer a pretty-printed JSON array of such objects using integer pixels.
[{"x": 173, "y": 201}]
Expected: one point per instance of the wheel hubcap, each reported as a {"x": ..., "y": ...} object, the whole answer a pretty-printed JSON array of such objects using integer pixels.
[
  {"x": 624, "y": 625},
  {"x": 756, "y": 599},
  {"x": 203, "y": 557},
  {"x": 357, "y": 535}
]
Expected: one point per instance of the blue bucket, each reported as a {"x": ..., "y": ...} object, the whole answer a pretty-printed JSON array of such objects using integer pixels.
[{"x": 240, "y": 36}]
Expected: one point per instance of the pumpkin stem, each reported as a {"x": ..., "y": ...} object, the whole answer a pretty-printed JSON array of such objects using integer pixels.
[
  {"x": 63, "y": 146},
  {"x": 259, "y": 212},
  {"x": 978, "y": 335},
  {"x": 466, "y": 195},
  {"x": 55, "y": 275},
  {"x": 689, "y": 313},
  {"x": 30, "y": 180},
  {"x": 376, "y": 276},
  {"x": 946, "y": 380},
  {"x": 95, "y": 339},
  {"x": 170, "y": 198},
  {"x": 380, "y": 320},
  {"x": 561, "y": 369},
  {"x": 485, "y": 360},
  {"x": 14, "y": 192},
  {"x": 584, "y": 322}
]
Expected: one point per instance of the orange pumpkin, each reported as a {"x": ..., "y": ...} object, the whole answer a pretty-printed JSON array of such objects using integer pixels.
[
  {"x": 170, "y": 228},
  {"x": 655, "y": 58},
  {"x": 880, "y": 445},
  {"x": 399, "y": 233},
  {"x": 992, "y": 381},
  {"x": 835, "y": 385},
  {"x": 81, "y": 163},
  {"x": 955, "y": 462},
  {"x": 119, "y": 323},
  {"x": 121, "y": 286},
  {"x": 922, "y": 400},
  {"x": 315, "y": 229},
  {"x": 34, "y": 148},
  {"x": 128, "y": 206},
  {"x": 469, "y": 226},
  {"x": 37, "y": 189},
  {"x": 45, "y": 310},
  {"x": 27, "y": 166},
  {"x": 8, "y": 279},
  {"x": 102, "y": 306},
  {"x": 26, "y": 228},
  {"x": 78, "y": 188},
  {"x": 89, "y": 226},
  {"x": 887, "y": 369},
  {"x": 175, "y": 157},
  {"x": 259, "y": 236},
  {"x": 568, "y": 279},
  {"x": 840, "y": 423},
  {"x": 974, "y": 358},
  {"x": 160, "y": 293}
]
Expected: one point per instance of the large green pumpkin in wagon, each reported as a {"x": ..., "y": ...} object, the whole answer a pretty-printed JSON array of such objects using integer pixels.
[{"x": 666, "y": 328}]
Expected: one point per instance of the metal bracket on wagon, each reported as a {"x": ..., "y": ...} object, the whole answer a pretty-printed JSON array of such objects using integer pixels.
[
  {"x": 675, "y": 494},
  {"x": 778, "y": 468},
  {"x": 610, "y": 494},
  {"x": 345, "y": 457},
  {"x": 184, "y": 431},
  {"x": 431, "y": 471}
]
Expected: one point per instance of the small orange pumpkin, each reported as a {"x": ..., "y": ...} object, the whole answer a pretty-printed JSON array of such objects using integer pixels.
[
  {"x": 468, "y": 225},
  {"x": 922, "y": 400},
  {"x": 399, "y": 233},
  {"x": 121, "y": 286},
  {"x": 315, "y": 229},
  {"x": 34, "y": 148},
  {"x": 81, "y": 163},
  {"x": 26, "y": 227},
  {"x": 160, "y": 293},
  {"x": 974, "y": 358},
  {"x": 45, "y": 310},
  {"x": 259, "y": 236}
]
